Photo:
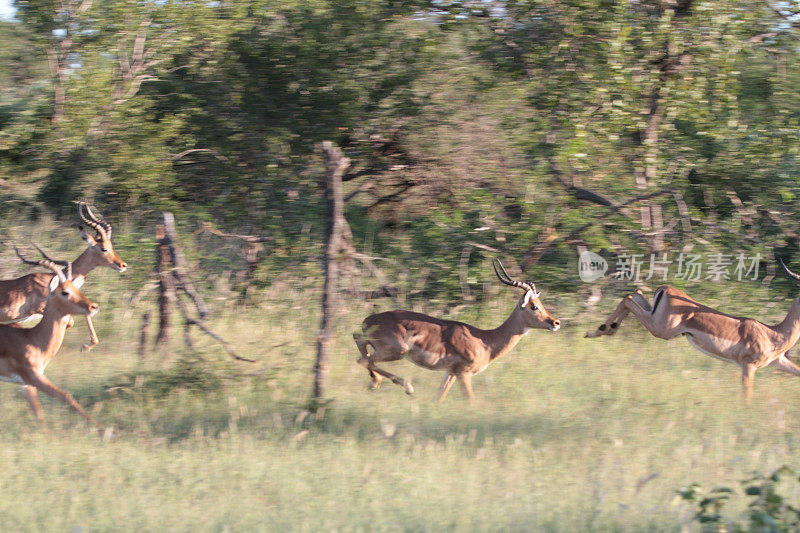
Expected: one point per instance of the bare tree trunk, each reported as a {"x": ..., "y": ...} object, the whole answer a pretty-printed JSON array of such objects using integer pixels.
[
  {"x": 179, "y": 271},
  {"x": 166, "y": 287},
  {"x": 143, "y": 335},
  {"x": 338, "y": 244},
  {"x": 670, "y": 65},
  {"x": 172, "y": 275}
]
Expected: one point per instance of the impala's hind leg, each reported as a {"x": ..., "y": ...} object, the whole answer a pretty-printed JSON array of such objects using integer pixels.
[
  {"x": 610, "y": 326},
  {"x": 397, "y": 380},
  {"x": 444, "y": 388},
  {"x": 655, "y": 318},
  {"x": 381, "y": 353},
  {"x": 786, "y": 365},
  {"x": 466, "y": 385},
  {"x": 34, "y": 379},
  {"x": 362, "y": 343},
  {"x": 33, "y": 400}
]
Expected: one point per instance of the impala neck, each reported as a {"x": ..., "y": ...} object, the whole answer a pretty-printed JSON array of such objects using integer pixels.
[
  {"x": 503, "y": 338},
  {"x": 790, "y": 326},
  {"x": 83, "y": 264},
  {"x": 49, "y": 332}
]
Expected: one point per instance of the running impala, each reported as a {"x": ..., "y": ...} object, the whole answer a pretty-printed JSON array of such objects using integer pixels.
[
  {"x": 26, "y": 296},
  {"x": 458, "y": 349},
  {"x": 739, "y": 340},
  {"x": 25, "y": 352}
]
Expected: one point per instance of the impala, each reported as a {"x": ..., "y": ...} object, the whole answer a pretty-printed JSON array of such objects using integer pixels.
[
  {"x": 739, "y": 340},
  {"x": 459, "y": 349},
  {"x": 24, "y": 297},
  {"x": 25, "y": 352}
]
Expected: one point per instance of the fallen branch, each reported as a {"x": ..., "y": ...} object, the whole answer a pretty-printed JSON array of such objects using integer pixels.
[
  {"x": 381, "y": 292},
  {"x": 189, "y": 321}
]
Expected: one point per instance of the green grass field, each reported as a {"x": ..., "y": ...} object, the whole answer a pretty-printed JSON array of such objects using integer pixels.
[{"x": 567, "y": 434}]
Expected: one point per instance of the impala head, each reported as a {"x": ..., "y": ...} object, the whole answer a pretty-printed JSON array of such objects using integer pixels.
[
  {"x": 99, "y": 244},
  {"x": 533, "y": 312},
  {"x": 66, "y": 296}
]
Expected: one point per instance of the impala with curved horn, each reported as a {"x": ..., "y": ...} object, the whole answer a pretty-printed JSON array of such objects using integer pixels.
[
  {"x": 739, "y": 340},
  {"x": 458, "y": 349},
  {"x": 24, "y": 297},
  {"x": 25, "y": 352}
]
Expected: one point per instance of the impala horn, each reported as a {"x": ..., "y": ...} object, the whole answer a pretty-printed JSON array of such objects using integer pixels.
[
  {"x": 57, "y": 267},
  {"x": 525, "y": 285},
  {"x": 792, "y": 274},
  {"x": 102, "y": 227}
]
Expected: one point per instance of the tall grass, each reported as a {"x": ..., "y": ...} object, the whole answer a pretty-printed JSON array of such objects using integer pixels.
[{"x": 567, "y": 434}]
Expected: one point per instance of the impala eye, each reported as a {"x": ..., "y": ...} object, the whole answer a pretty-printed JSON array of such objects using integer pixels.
[
  {"x": 103, "y": 249},
  {"x": 534, "y": 308},
  {"x": 65, "y": 293}
]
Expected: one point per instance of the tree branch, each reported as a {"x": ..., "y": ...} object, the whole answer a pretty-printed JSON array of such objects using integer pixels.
[
  {"x": 533, "y": 255},
  {"x": 579, "y": 192}
]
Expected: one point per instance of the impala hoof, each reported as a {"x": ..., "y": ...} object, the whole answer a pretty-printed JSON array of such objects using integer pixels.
[
  {"x": 409, "y": 387},
  {"x": 603, "y": 329}
]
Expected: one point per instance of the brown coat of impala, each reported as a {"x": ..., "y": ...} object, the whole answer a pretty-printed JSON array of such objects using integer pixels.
[
  {"x": 739, "y": 340},
  {"x": 25, "y": 352},
  {"x": 458, "y": 349},
  {"x": 25, "y": 296}
]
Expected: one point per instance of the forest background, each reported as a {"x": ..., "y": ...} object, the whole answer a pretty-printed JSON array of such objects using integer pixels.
[{"x": 529, "y": 128}]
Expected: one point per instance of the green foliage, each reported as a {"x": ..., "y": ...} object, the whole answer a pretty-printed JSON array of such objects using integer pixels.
[
  {"x": 708, "y": 505},
  {"x": 457, "y": 117},
  {"x": 768, "y": 510}
]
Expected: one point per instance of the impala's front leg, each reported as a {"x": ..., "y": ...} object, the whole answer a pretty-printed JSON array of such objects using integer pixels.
[
  {"x": 93, "y": 340},
  {"x": 634, "y": 303},
  {"x": 748, "y": 372}
]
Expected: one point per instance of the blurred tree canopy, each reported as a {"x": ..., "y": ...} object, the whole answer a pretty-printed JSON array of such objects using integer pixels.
[{"x": 518, "y": 126}]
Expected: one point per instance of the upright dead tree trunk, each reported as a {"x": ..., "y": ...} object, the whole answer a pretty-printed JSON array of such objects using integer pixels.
[
  {"x": 166, "y": 287},
  {"x": 171, "y": 277},
  {"x": 670, "y": 65},
  {"x": 338, "y": 238}
]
